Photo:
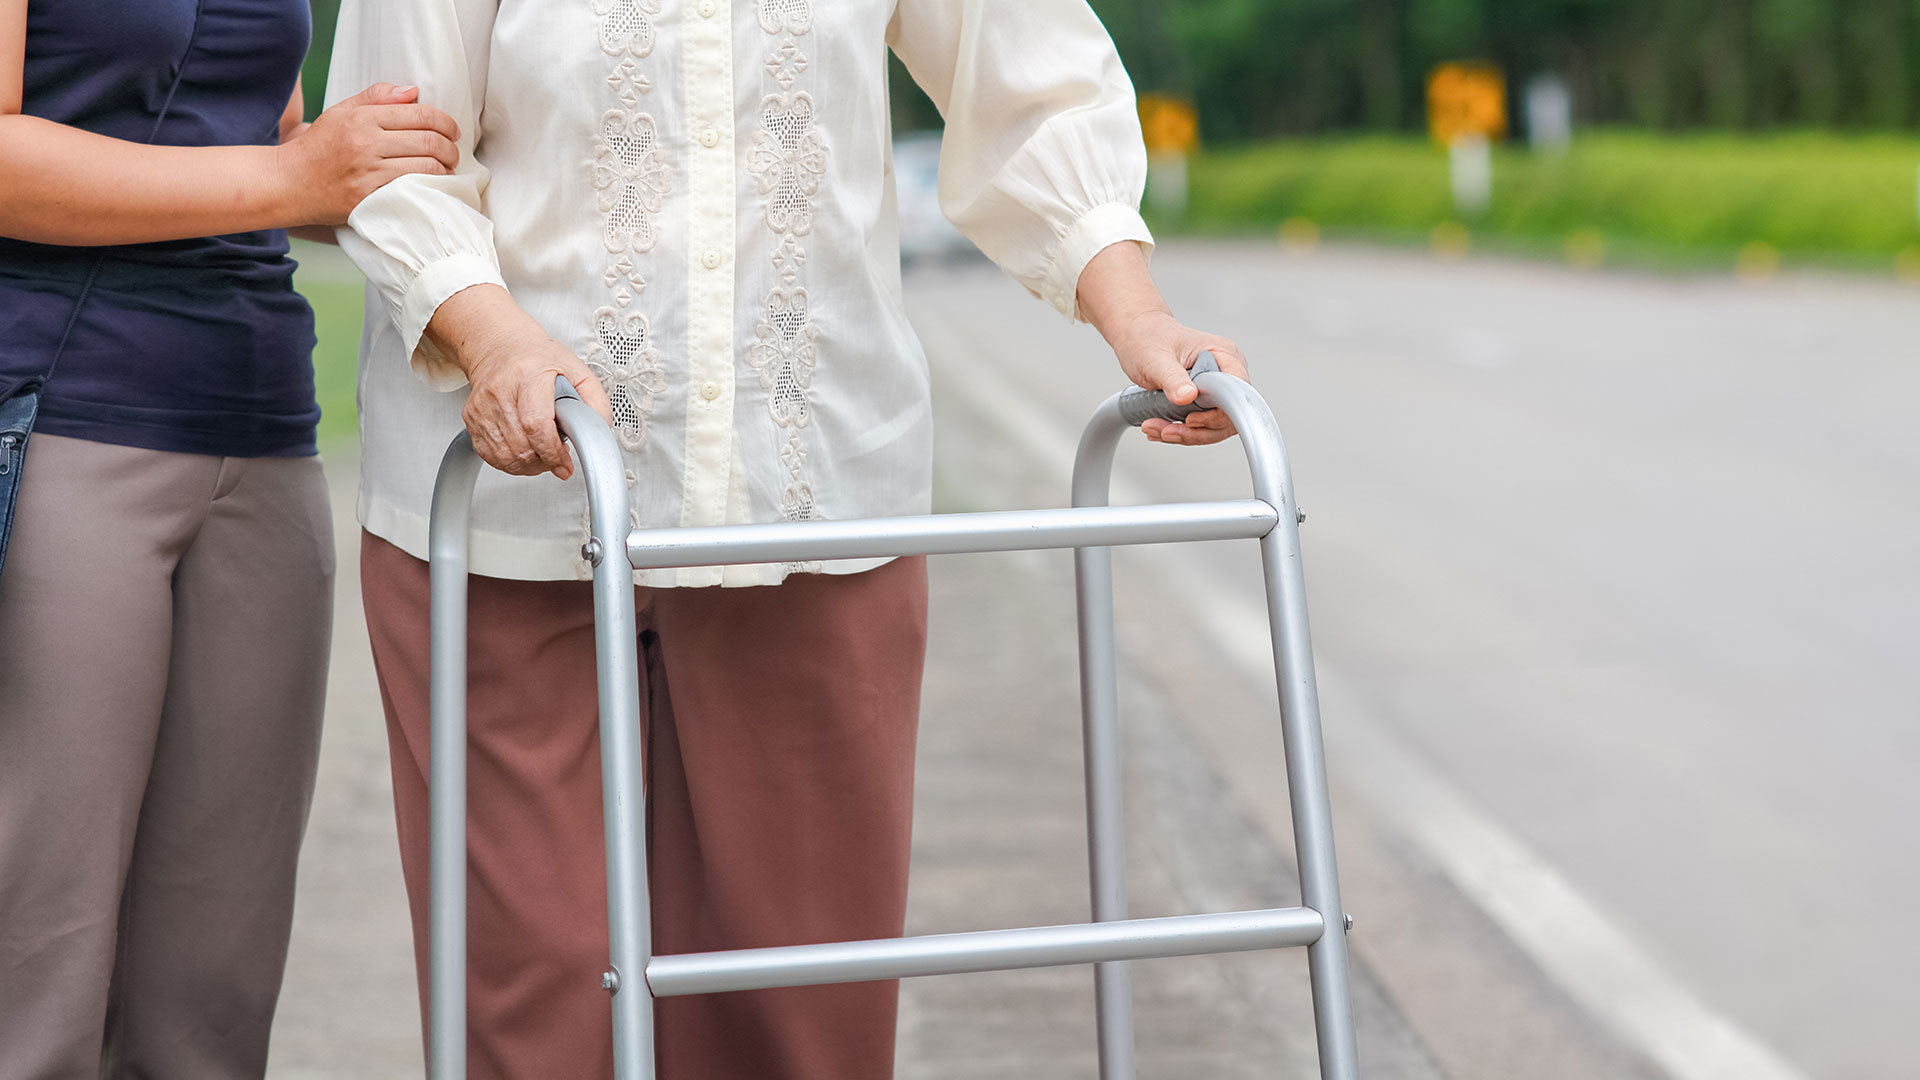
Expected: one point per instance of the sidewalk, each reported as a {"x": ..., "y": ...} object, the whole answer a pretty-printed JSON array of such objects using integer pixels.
[{"x": 1000, "y": 841}]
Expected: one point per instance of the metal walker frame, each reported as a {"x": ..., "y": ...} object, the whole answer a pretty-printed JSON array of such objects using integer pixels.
[{"x": 1091, "y": 527}]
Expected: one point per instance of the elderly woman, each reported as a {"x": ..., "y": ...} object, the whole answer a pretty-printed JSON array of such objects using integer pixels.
[{"x": 686, "y": 208}]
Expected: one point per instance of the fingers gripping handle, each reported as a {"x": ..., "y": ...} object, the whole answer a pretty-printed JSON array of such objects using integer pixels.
[{"x": 1137, "y": 406}]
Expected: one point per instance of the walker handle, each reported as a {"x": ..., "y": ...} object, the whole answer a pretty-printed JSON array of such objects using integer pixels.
[{"x": 1139, "y": 405}]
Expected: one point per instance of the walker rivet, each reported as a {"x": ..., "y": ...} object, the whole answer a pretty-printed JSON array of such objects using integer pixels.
[
  {"x": 1299, "y": 515},
  {"x": 610, "y": 982},
  {"x": 591, "y": 551},
  {"x": 1349, "y": 924}
]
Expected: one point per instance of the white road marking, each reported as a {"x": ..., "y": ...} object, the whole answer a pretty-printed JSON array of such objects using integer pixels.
[{"x": 1581, "y": 949}]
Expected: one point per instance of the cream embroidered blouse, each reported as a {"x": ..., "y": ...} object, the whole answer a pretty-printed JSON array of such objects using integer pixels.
[{"x": 696, "y": 196}]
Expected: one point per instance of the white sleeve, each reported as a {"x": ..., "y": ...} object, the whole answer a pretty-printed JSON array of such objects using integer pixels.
[
  {"x": 1042, "y": 164},
  {"x": 420, "y": 239}
]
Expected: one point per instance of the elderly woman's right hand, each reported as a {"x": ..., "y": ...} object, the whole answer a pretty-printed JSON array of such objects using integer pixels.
[
  {"x": 510, "y": 364},
  {"x": 360, "y": 144}
]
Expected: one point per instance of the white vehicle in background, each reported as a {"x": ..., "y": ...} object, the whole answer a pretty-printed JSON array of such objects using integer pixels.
[{"x": 926, "y": 236}]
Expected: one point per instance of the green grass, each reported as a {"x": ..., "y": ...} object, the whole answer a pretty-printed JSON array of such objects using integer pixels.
[
  {"x": 333, "y": 287},
  {"x": 1811, "y": 196}
]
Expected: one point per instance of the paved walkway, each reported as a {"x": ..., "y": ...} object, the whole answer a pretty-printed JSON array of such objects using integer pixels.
[{"x": 999, "y": 842}]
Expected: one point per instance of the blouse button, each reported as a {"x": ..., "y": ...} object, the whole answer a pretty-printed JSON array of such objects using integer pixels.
[
  {"x": 710, "y": 137},
  {"x": 707, "y": 8},
  {"x": 709, "y": 390},
  {"x": 710, "y": 259}
]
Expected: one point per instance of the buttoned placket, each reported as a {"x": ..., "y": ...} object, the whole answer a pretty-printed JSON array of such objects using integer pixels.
[{"x": 708, "y": 31}]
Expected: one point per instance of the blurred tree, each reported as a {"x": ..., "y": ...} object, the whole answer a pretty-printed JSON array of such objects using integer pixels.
[
  {"x": 1260, "y": 67},
  {"x": 313, "y": 76},
  {"x": 1269, "y": 66}
]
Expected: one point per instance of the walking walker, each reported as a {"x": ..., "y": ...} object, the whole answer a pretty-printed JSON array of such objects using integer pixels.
[{"x": 1091, "y": 527}]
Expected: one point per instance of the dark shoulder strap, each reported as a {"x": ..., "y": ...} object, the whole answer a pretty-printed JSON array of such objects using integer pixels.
[{"x": 93, "y": 272}]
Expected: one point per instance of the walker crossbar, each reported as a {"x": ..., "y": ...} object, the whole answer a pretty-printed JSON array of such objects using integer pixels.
[
  {"x": 1090, "y": 526},
  {"x": 981, "y": 950},
  {"x": 952, "y": 534}
]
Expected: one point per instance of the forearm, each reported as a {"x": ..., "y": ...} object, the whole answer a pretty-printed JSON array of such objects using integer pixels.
[
  {"x": 61, "y": 185},
  {"x": 1115, "y": 289}
]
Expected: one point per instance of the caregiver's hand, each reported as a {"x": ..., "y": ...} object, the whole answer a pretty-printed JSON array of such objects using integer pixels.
[
  {"x": 510, "y": 364},
  {"x": 325, "y": 168}
]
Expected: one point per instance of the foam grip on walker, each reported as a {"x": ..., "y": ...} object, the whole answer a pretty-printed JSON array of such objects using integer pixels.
[{"x": 1140, "y": 405}]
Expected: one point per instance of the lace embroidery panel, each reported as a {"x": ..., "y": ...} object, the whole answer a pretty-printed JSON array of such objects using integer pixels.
[
  {"x": 792, "y": 16},
  {"x": 787, "y": 158},
  {"x": 631, "y": 178},
  {"x": 782, "y": 352},
  {"x": 626, "y": 26}
]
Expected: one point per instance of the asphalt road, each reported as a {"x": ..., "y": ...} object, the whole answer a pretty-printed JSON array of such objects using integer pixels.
[
  {"x": 1617, "y": 605},
  {"x": 1616, "y": 613}
]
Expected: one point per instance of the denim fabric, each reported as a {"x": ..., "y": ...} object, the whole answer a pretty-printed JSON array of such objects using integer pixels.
[{"x": 16, "y": 421}]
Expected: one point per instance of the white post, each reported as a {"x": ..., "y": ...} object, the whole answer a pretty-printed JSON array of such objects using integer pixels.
[
  {"x": 1549, "y": 114},
  {"x": 1471, "y": 161},
  {"x": 1167, "y": 184}
]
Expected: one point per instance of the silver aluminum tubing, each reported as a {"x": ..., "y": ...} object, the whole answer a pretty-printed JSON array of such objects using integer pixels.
[
  {"x": 1299, "y": 715},
  {"x": 950, "y": 534},
  {"x": 447, "y": 760},
  {"x": 981, "y": 950},
  {"x": 1299, "y": 703},
  {"x": 622, "y": 783},
  {"x": 1100, "y": 730}
]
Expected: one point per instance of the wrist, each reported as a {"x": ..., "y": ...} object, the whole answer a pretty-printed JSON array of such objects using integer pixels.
[
  {"x": 1137, "y": 328},
  {"x": 481, "y": 328},
  {"x": 281, "y": 195},
  {"x": 1116, "y": 293}
]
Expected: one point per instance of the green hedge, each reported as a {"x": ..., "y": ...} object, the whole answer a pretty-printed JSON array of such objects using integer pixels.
[{"x": 1810, "y": 194}]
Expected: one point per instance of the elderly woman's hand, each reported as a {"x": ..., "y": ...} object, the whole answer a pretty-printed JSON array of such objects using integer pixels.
[
  {"x": 1154, "y": 349},
  {"x": 510, "y": 364}
]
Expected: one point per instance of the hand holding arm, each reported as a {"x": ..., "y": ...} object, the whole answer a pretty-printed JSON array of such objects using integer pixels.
[
  {"x": 1119, "y": 298},
  {"x": 62, "y": 185}
]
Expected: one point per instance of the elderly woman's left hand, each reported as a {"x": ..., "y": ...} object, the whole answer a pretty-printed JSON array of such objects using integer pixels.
[
  {"x": 1119, "y": 298},
  {"x": 1156, "y": 350}
]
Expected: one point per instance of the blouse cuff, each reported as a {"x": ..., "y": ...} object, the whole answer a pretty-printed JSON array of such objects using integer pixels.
[
  {"x": 429, "y": 289},
  {"x": 1095, "y": 230}
]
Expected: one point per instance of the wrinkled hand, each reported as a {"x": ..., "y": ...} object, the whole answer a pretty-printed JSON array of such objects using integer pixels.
[
  {"x": 510, "y": 364},
  {"x": 1155, "y": 350},
  {"x": 509, "y": 411},
  {"x": 359, "y": 145}
]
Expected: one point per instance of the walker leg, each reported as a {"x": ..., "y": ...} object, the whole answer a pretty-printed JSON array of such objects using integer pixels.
[
  {"x": 1106, "y": 837},
  {"x": 1299, "y": 726},
  {"x": 447, "y": 762},
  {"x": 622, "y": 779}
]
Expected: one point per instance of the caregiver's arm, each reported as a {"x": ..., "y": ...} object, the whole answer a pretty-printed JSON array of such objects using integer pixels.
[
  {"x": 62, "y": 185},
  {"x": 293, "y": 121}
]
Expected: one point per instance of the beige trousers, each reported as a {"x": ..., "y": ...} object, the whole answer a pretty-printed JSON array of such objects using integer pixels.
[
  {"x": 164, "y": 626},
  {"x": 779, "y": 726}
]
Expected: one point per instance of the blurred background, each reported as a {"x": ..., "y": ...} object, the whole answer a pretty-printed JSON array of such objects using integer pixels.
[{"x": 1591, "y": 325}]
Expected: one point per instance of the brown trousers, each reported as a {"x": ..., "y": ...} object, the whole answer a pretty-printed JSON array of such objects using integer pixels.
[
  {"x": 164, "y": 627},
  {"x": 779, "y": 732}
]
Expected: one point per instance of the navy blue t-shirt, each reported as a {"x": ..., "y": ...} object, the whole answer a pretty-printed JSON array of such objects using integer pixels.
[{"x": 199, "y": 346}]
